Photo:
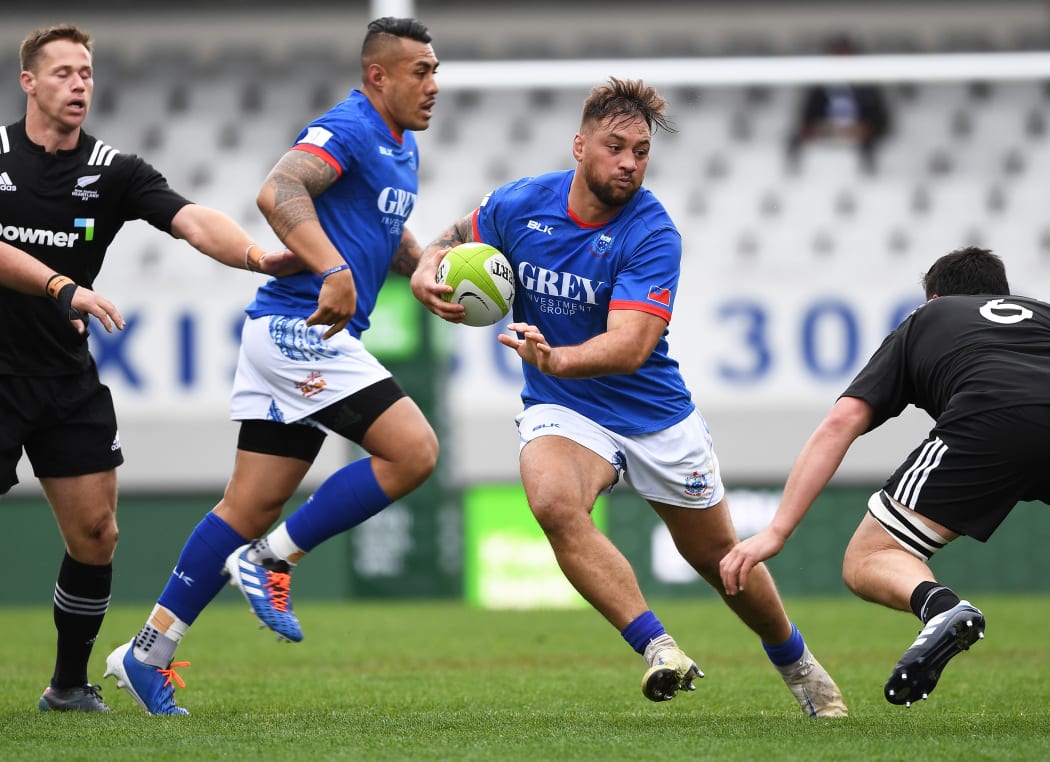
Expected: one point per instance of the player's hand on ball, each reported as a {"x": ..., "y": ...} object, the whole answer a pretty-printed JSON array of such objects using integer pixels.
[
  {"x": 433, "y": 294},
  {"x": 481, "y": 280}
]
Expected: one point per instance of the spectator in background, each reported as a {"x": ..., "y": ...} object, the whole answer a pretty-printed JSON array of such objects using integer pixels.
[{"x": 857, "y": 113}]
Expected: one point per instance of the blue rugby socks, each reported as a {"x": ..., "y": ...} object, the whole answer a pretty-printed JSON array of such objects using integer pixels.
[
  {"x": 196, "y": 579},
  {"x": 345, "y": 499},
  {"x": 788, "y": 652},
  {"x": 642, "y": 630}
]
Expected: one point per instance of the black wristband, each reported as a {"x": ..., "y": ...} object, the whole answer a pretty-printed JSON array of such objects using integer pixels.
[{"x": 65, "y": 302}]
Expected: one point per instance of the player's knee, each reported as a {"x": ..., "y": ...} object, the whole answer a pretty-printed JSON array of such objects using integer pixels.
[
  {"x": 422, "y": 456},
  {"x": 546, "y": 516},
  {"x": 707, "y": 566},
  {"x": 558, "y": 518},
  {"x": 428, "y": 451},
  {"x": 704, "y": 559},
  {"x": 105, "y": 533},
  {"x": 412, "y": 462},
  {"x": 96, "y": 543},
  {"x": 254, "y": 519},
  {"x": 849, "y": 576},
  {"x": 861, "y": 568},
  {"x": 704, "y": 552}
]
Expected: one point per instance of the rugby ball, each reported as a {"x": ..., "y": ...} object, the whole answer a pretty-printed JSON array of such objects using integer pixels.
[{"x": 482, "y": 281}]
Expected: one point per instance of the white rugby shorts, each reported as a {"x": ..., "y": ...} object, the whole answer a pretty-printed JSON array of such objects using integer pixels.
[
  {"x": 676, "y": 466},
  {"x": 286, "y": 371}
]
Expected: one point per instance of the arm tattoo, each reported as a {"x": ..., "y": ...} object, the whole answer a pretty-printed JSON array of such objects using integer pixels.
[
  {"x": 407, "y": 255},
  {"x": 296, "y": 180},
  {"x": 462, "y": 231}
]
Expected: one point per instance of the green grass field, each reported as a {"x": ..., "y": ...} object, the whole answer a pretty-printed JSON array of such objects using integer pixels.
[{"x": 441, "y": 681}]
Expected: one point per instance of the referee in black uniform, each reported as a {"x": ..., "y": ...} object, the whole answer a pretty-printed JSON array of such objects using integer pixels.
[
  {"x": 63, "y": 196},
  {"x": 978, "y": 361}
]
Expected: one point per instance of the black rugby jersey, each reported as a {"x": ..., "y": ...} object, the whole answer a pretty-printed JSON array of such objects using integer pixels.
[
  {"x": 959, "y": 355},
  {"x": 64, "y": 209}
]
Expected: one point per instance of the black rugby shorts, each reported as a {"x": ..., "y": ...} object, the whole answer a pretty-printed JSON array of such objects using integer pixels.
[
  {"x": 66, "y": 425},
  {"x": 970, "y": 473}
]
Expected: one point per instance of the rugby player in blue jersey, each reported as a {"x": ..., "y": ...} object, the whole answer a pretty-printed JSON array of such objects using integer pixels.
[
  {"x": 339, "y": 199},
  {"x": 597, "y": 262}
]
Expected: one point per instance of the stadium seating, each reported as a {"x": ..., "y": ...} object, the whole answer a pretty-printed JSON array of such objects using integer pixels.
[
  {"x": 963, "y": 163},
  {"x": 214, "y": 97}
]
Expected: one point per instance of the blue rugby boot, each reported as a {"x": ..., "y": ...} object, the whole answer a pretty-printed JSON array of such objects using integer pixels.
[
  {"x": 150, "y": 686},
  {"x": 267, "y": 590}
]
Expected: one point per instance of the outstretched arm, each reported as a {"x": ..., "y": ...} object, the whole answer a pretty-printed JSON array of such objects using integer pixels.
[
  {"x": 214, "y": 233},
  {"x": 848, "y": 418}
]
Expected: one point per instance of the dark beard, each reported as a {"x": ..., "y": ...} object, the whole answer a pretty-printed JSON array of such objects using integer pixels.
[{"x": 610, "y": 196}]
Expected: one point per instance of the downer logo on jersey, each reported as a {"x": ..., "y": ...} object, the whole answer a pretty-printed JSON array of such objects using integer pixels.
[{"x": 42, "y": 237}]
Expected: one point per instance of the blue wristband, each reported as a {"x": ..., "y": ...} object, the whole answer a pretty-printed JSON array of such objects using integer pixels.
[{"x": 333, "y": 270}]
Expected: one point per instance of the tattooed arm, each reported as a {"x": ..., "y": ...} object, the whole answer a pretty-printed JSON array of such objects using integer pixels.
[
  {"x": 407, "y": 256},
  {"x": 286, "y": 200},
  {"x": 424, "y": 284}
]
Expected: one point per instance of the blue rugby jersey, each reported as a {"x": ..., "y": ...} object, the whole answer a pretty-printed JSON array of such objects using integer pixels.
[
  {"x": 570, "y": 274},
  {"x": 363, "y": 212}
]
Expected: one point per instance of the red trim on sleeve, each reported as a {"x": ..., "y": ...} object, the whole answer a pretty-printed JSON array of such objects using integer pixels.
[
  {"x": 320, "y": 153},
  {"x": 474, "y": 225},
  {"x": 652, "y": 309}
]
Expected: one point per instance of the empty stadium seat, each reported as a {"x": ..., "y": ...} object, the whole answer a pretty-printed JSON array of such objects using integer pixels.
[{"x": 968, "y": 151}]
